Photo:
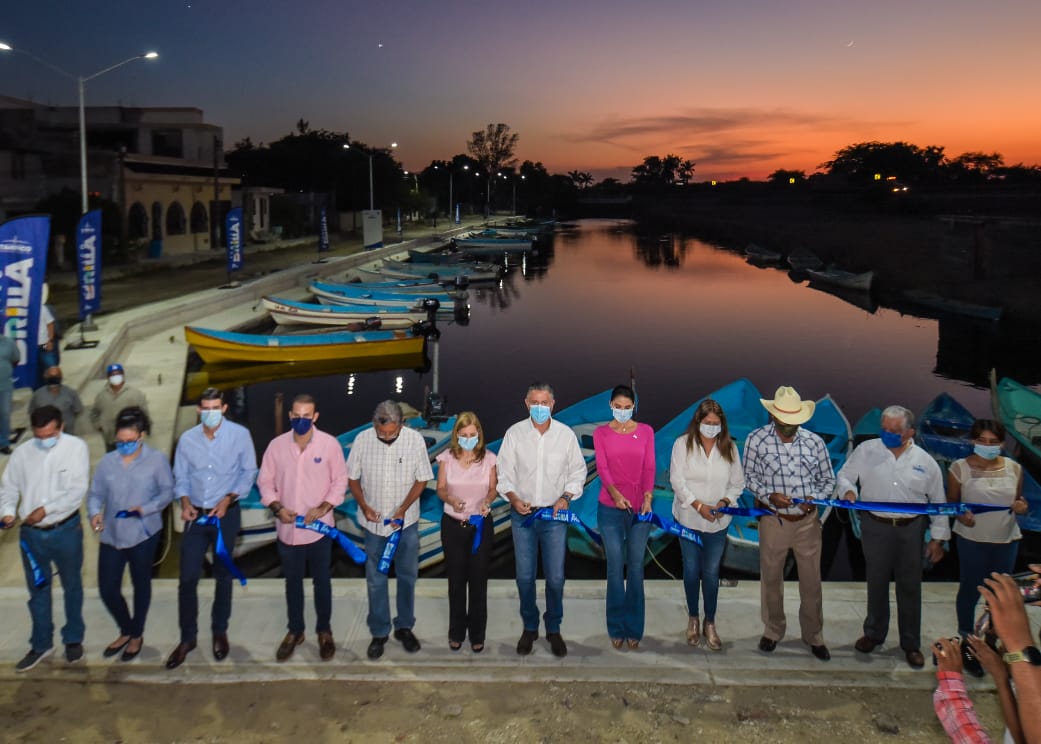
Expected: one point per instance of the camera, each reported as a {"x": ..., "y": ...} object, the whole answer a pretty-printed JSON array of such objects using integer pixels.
[{"x": 1029, "y": 587}]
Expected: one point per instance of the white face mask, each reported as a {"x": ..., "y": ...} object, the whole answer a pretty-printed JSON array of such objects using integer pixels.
[
  {"x": 622, "y": 415},
  {"x": 115, "y": 380},
  {"x": 710, "y": 430}
]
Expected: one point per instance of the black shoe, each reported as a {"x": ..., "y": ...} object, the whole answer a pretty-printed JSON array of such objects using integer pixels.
[
  {"x": 376, "y": 647},
  {"x": 220, "y": 646},
  {"x": 556, "y": 644},
  {"x": 821, "y": 652},
  {"x": 407, "y": 638},
  {"x": 527, "y": 640},
  {"x": 73, "y": 652},
  {"x": 5, "y": 450},
  {"x": 114, "y": 648},
  {"x": 914, "y": 657},
  {"x": 969, "y": 661},
  {"x": 129, "y": 655},
  {"x": 179, "y": 654},
  {"x": 766, "y": 644}
]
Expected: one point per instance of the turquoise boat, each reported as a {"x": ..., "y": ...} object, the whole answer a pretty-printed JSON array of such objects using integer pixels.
[
  {"x": 353, "y": 294},
  {"x": 1018, "y": 407},
  {"x": 943, "y": 430}
]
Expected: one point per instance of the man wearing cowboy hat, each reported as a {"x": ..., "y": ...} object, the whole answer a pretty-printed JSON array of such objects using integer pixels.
[{"x": 784, "y": 461}]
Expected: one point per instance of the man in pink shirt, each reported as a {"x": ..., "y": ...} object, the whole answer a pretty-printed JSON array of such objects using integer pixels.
[{"x": 303, "y": 473}]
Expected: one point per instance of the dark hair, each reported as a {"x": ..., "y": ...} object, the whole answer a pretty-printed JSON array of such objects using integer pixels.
[
  {"x": 45, "y": 415},
  {"x": 304, "y": 398},
  {"x": 133, "y": 417},
  {"x": 981, "y": 425},
  {"x": 723, "y": 441},
  {"x": 211, "y": 393},
  {"x": 540, "y": 386},
  {"x": 624, "y": 391}
]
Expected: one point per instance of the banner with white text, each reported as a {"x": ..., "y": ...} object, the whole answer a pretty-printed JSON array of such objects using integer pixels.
[
  {"x": 23, "y": 265},
  {"x": 323, "y": 233},
  {"x": 88, "y": 262},
  {"x": 372, "y": 228},
  {"x": 233, "y": 231}
]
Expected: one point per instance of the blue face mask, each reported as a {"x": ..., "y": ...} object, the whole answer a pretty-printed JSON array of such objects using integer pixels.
[
  {"x": 891, "y": 440},
  {"x": 468, "y": 443},
  {"x": 621, "y": 415},
  {"x": 127, "y": 448},
  {"x": 210, "y": 418},
  {"x": 987, "y": 451},
  {"x": 539, "y": 414},
  {"x": 46, "y": 444},
  {"x": 300, "y": 425}
]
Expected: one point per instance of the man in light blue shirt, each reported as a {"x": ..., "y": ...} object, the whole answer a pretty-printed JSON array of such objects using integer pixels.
[{"x": 214, "y": 464}]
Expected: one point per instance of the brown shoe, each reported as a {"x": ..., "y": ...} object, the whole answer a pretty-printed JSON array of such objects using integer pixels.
[
  {"x": 326, "y": 646},
  {"x": 915, "y": 658},
  {"x": 711, "y": 636},
  {"x": 179, "y": 654},
  {"x": 220, "y": 646},
  {"x": 693, "y": 631},
  {"x": 288, "y": 645},
  {"x": 866, "y": 645}
]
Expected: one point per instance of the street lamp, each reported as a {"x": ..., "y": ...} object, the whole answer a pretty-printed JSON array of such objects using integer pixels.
[
  {"x": 372, "y": 198},
  {"x": 81, "y": 80}
]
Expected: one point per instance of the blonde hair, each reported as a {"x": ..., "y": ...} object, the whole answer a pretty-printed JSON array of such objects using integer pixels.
[{"x": 464, "y": 419}]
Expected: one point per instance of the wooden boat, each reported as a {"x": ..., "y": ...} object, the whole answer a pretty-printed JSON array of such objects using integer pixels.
[
  {"x": 349, "y": 294},
  {"x": 868, "y": 426},
  {"x": 1018, "y": 407},
  {"x": 289, "y": 312},
  {"x": 400, "y": 286},
  {"x": 803, "y": 260},
  {"x": 229, "y": 346},
  {"x": 947, "y": 306},
  {"x": 761, "y": 255},
  {"x": 440, "y": 257},
  {"x": 943, "y": 430},
  {"x": 474, "y": 272},
  {"x": 492, "y": 239},
  {"x": 844, "y": 279}
]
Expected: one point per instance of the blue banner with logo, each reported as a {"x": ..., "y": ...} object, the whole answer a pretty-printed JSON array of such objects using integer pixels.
[
  {"x": 233, "y": 229},
  {"x": 457, "y": 219},
  {"x": 88, "y": 262},
  {"x": 323, "y": 233},
  {"x": 23, "y": 264}
]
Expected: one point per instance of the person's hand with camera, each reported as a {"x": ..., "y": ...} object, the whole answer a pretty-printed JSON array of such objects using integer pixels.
[{"x": 995, "y": 666}]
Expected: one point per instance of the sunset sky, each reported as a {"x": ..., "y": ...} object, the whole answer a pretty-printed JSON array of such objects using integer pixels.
[{"x": 741, "y": 87}]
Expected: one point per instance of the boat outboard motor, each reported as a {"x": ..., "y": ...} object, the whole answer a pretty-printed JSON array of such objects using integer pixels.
[
  {"x": 435, "y": 408},
  {"x": 432, "y": 305},
  {"x": 462, "y": 281}
]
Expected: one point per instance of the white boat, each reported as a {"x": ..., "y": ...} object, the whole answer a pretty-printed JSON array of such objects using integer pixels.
[
  {"x": 844, "y": 279},
  {"x": 288, "y": 312}
]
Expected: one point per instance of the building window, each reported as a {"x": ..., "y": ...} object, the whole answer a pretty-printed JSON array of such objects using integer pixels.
[
  {"x": 200, "y": 222},
  {"x": 175, "y": 222},
  {"x": 167, "y": 143},
  {"x": 157, "y": 221},
  {"x": 137, "y": 222}
]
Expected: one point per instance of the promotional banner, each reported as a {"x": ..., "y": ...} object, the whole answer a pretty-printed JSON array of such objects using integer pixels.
[
  {"x": 457, "y": 220},
  {"x": 372, "y": 228},
  {"x": 233, "y": 229},
  {"x": 323, "y": 233},
  {"x": 399, "y": 220},
  {"x": 23, "y": 263},
  {"x": 88, "y": 262}
]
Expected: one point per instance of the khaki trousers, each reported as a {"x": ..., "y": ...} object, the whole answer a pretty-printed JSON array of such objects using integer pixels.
[{"x": 803, "y": 538}]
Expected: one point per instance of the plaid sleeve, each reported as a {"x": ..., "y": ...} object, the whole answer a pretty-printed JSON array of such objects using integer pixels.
[{"x": 955, "y": 712}]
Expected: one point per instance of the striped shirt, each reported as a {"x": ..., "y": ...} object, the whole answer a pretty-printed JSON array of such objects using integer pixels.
[
  {"x": 798, "y": 469},
  {"x": 387, "y": 473}
]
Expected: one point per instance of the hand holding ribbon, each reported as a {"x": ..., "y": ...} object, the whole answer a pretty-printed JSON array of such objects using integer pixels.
[
  {"x": 899, "y": 507},
  {"x": 562, "y": 515},
  {"x": 355, "y": 553},
  {"x": 391, "y": 547},
  {"x": 221, "y": 549},
  {"x": 670, "y": 526}
]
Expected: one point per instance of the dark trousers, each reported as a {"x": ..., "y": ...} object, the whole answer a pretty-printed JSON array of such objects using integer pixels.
[
  {"x": 197, "y": 539},
  {"x": 894, "y": 553},
  {"x": 467, "y": 573},
  {"x": 296, "y": 559},
  {"x": 111, "y": 564},
  {"x": 976, "y": 561}
]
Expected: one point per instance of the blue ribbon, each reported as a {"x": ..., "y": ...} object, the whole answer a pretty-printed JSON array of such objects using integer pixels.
[
  {"x": 39, "y": 579},
  {"x": 125, "y": 514},
  {"x": 477, "y": 520},
  {"x": 221, "y": 549},
  {"x": 564, "y": 515},
  {"x": 355, "y": 553},
  {"x": 391, "y": 546},
  {"x": 743, "y": 511},
  {"x": 945, "y": 510},
  {"x": 671, "y": 526}
]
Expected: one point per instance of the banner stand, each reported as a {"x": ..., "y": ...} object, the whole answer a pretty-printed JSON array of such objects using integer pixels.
[
  {"x": 323, "y": 237},
  {"x": 233, "y": 235},
  {"x": 87, "y": 325}
]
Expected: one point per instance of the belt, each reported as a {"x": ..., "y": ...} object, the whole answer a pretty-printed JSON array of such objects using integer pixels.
[
  {"x": 793, "y": 517},
  {"x": 47, "y": 528},
  {"x": 207, "y": 512},
  {"x": 893, "y": 521}
]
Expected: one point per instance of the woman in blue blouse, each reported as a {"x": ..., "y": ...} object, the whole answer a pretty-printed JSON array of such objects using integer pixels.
[{"x": 130, "y": 489}]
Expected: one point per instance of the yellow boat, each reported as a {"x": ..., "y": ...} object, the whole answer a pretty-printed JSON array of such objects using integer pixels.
[{"x": 229, "y": 346}]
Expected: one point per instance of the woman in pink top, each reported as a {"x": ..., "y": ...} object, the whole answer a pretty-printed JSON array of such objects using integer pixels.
[
  {"x": 466, "y": 482},
  {"x": 625, "y": 465}
]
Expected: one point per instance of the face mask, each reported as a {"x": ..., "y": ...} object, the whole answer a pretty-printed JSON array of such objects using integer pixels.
[
  {"x": 710, "y": 430},
  {"x": 300, "y": 425},
  {"x": 468, "y": 443},
  {"x": 621, "y": 415},
  {"x": 787, "y": 430},
  {"x": 127, "y": 448},
  {"x": 539, "y": 414},
  {"x": 115, "y": 380},
  {"x": 891, "y": 440},
  {"x": 46, "y": 444},
  {"x": 211, "y": 417},
  {"x": 987, "y": 451},
  {"x": 53, "y": 380}
]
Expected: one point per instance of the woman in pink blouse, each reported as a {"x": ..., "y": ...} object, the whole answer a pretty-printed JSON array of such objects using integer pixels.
[
  {"x": 466, "y": 482},
  {"x": 625, "y": 465}
]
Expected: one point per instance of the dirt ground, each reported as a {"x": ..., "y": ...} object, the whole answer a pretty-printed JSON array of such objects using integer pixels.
[{"x": 70, "y": 711}]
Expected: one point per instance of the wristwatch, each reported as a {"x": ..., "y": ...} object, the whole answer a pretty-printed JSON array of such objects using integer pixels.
[{"x": 1029, "y": 654}]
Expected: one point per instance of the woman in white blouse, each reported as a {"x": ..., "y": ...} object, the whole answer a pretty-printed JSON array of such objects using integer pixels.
[{"x": 705, "y": 474}]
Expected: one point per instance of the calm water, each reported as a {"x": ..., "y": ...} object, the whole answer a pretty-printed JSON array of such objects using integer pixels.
[{"x": 684, "y": 316}]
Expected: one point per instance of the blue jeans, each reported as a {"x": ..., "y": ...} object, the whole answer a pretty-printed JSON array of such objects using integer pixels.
[
  {"x": 5, "y": 418},
  {"x": 111, "y": 564},
  {"x": 406, "y": 569},
  {"x": 551, "y": 539},
  {"x": 701, "y": 571},
  {"x": 976, "y": 561},
  {"x": 196, "y": 540},
  {"x": 296, "y": 559},
  {"x": 624, "y": 546},
  {"x": 63, "y": 547}
]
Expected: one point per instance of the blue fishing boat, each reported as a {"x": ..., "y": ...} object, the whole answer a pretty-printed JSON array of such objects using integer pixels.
[
  {"x": 351, "y": 294},
  {"x": 943, "y": 430}
]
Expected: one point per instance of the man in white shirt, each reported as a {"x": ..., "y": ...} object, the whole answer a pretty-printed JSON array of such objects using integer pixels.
[
  {"x": 45, "y": 483},
  {"x": 893, "y": 468},
  {"x": 540, "y": 464},
  {"x": 387, "y": 469}
]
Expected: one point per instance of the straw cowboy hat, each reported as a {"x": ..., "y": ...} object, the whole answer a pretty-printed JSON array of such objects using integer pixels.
[{"x": 788, "y": 408}]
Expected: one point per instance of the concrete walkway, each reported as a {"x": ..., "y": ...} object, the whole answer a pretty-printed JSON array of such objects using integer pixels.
[{"x": 258, "y": 624}]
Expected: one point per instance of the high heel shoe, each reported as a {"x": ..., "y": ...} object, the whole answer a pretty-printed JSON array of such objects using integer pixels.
[
  {"x": 693, "y": 633},
  {"x": 711, "y": 636}
]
